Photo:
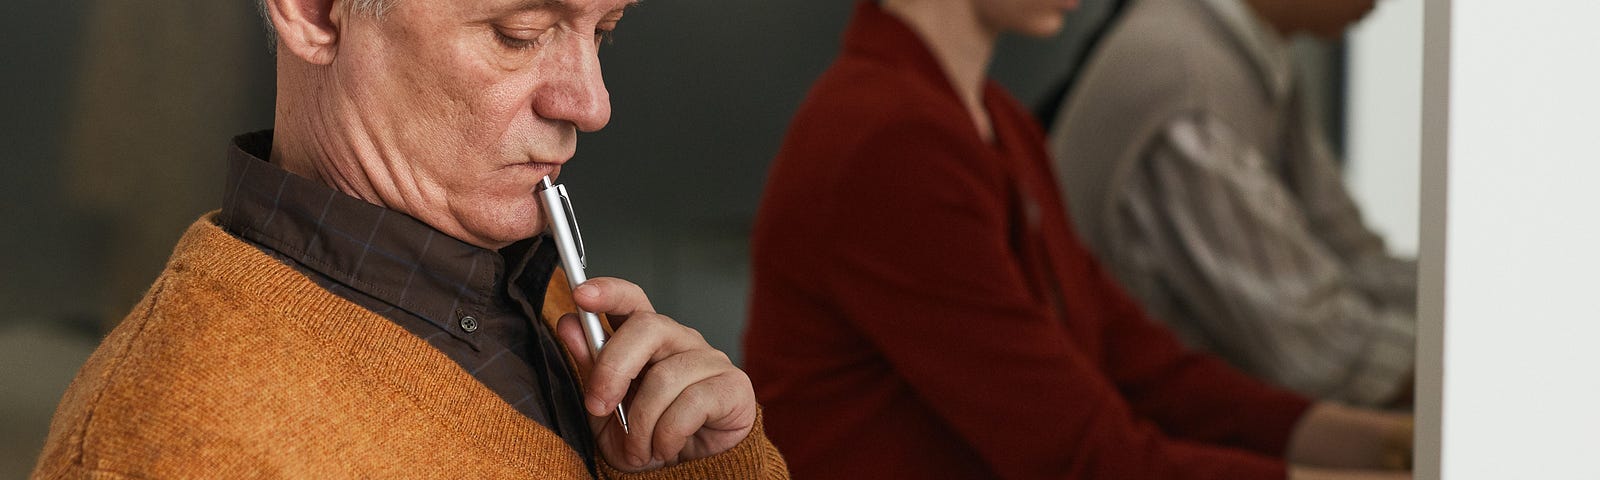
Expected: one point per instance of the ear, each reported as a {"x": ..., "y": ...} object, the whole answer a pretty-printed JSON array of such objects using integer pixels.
[{"x": 308, "y": 29}]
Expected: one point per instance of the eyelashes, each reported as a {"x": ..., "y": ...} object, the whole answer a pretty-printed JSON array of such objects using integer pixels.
[
  {"x": 515, "y": 43},
  {"x": 602, "y": 36}
]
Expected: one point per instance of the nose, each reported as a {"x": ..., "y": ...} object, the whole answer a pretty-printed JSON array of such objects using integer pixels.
[{"x": 574, "y": 90}]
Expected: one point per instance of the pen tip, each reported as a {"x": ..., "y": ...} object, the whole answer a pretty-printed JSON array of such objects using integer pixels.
[{"x": 623, "y": 419}]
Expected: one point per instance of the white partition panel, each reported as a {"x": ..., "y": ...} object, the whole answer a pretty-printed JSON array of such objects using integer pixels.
[
  {"x": 1511, "y": 240},
  {"x": 1384, "y": 108}
]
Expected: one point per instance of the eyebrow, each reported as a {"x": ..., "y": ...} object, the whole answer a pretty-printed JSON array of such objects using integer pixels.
[
  {"x": 538, "y": 4},
  {"x": 560, "y": 4}
]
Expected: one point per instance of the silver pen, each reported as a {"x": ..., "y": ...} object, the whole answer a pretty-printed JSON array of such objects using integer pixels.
[{"x": 563, "y": 225}]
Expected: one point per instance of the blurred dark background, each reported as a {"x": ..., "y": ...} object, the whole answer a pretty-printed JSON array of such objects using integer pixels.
[{"x": 117, "y": 114}]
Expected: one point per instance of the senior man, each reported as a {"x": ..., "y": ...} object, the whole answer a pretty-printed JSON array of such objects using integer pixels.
[{"x": 374, "y": 299}]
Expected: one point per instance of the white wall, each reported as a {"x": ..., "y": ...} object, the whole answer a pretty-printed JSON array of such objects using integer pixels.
[
  {"x": 1511, "y": 242},
  {"x": 1384, "y": 119}
]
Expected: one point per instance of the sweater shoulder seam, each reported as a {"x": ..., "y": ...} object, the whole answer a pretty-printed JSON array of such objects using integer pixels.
[{"x": 118, "y": 363}]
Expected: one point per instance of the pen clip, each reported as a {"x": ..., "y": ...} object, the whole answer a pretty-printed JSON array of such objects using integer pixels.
[{"x": 572, "y": 219}]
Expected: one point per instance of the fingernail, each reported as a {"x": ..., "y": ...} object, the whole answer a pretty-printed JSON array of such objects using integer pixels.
[
  {"x": 587, "y": 291},
  {"x": 637, "y": 462}
]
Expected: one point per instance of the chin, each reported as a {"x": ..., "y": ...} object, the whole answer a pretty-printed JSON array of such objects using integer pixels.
[
  {"x": 523, "y": 228},
  {"x": 1043, "y": 27},
  {"x": 509, "y": 223},
  {"x": 500, "y": 236}
]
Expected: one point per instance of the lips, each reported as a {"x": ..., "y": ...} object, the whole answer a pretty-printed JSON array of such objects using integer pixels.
[
  {"x": 544, "y": 163},
  {"x": 544, "y": 159},
  {"x": 534, "y": 170}
]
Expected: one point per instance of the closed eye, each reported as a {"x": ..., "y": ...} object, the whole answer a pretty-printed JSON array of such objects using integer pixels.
[{"x": 517, "y": 42}]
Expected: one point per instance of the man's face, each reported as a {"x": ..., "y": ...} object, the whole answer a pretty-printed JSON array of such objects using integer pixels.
[
  {"x": 1034, "y": 18},
  {"x": 466, "y": 104},
  {"x": 1324, "y": 18}
]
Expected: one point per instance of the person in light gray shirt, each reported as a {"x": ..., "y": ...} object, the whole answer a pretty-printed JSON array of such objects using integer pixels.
[{"x": 1195, "y": 173}]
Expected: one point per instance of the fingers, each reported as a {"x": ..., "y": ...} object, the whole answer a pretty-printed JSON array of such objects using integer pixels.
[
  {"x": 715, "y": 414},
  {"x": 663, "y": 384},
  {"x": 689, "y": 402},
  {"x": 645, "y": 339}
]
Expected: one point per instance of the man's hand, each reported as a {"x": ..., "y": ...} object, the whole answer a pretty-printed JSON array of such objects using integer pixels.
[
  {"x": 1308, "y": 473},
  {"x": 1335, "y": 436},
  {"x": 688, "y": 400}
]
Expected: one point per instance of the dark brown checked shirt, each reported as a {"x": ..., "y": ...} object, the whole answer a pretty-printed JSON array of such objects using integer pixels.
[{"x": 480, "y": 307}]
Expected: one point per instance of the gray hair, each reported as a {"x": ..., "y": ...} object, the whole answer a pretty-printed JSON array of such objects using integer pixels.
[{"x": 375, "y": 8}]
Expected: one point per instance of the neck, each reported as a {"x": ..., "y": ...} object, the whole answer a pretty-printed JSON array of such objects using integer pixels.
[
  {"x": 1274, "y": 15},
  {"x": 309, "y": 139},
  {"x": 962, "y": 43},
  {"x": 320, "y": 134}
]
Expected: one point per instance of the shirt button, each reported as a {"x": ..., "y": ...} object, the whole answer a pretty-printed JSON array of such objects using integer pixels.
[{"x": 469, "y": 324}]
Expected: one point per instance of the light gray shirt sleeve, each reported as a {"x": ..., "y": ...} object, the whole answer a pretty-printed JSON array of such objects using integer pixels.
[
  {"x": 1274, "y": 272},
  {"x": 1318, "y": 184}
]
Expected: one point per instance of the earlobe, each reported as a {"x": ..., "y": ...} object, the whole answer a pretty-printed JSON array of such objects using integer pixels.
[{"x": 307, "y": 29}]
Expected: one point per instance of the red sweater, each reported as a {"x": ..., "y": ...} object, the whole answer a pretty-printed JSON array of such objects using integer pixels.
[{"x": 922, "y": 308}]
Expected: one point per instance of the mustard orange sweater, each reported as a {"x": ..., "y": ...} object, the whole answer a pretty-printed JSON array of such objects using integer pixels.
[{"x": 235, "y": 365}]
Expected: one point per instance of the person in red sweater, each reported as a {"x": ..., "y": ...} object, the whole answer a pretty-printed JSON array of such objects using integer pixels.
[{"x": 922, "y": 308}]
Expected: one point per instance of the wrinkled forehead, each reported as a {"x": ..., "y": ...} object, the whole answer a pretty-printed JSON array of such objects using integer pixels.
[{"x": 567, "y": 7}]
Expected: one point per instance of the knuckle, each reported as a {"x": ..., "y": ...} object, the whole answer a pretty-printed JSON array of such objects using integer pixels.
[
  {"x": 659, "y": 325},
  {"x": 678, "y": 429},
  {"x": 702, "y": 396},
  {"x": 679, "y": 330},
  {"x": 709, "y": 358},
  {"x": 733, "y": 387},
  {"x": 650, "y": 321},
  {"x": 686, "y": 421},
  {"x": 670, "y": 371},
  {"x": 721, "y": 358},
  {"x": 741, "y": 380}
]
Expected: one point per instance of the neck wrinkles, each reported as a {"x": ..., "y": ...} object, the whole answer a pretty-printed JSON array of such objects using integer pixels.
[{"x": 321, "y": 136}]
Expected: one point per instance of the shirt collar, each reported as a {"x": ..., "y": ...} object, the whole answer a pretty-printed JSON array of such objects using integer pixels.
[
  {"x": 380, "y": 252},
  {"x": 1268, "y": 50}
]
